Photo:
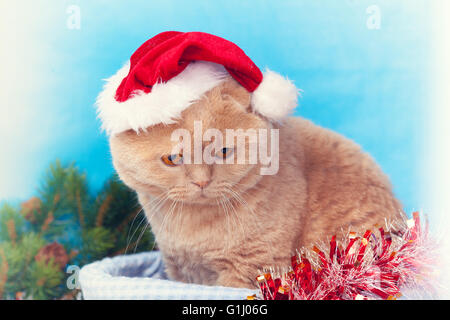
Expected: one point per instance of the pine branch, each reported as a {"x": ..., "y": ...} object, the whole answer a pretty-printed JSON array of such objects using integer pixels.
[
  {"x": 102, "y": 210},
  {"x": 11, "y": 226},
  {"x": 3, "y": 272},
  {"x": 64, "y": 210},
  {"x": 128, "y": 219},
  {"x": 80, "y": 208},
  {"x": 47, "y": 222}
]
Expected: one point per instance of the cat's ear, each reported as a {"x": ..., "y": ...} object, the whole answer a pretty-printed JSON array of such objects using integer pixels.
[{"x": 232, "y": 90}]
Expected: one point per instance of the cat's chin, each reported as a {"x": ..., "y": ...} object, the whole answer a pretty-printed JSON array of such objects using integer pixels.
[
  {"x": 208, "y": 199},
  {"x": 201, "y": 200}
]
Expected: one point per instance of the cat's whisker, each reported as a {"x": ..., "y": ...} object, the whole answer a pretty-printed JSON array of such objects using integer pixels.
[
  {"x": 132, "y": 236},
  {"x": 132, "y": 225},
  {"x": 175, "y": 195},
  {"x": 154, "y": 210},
  {"x": 240, "y": 199},
  {"x": 167, "y": 217},
  {"x": 226, "y": 204},
  {"x": 157, "y": 206},
  {"x": 159, "y": 230},
  {"x": 157, "y": 199},
  {"x": 235, "y": 195},
  {"x": 180, "y": 217},
  {"x": 245, "y": 204},
  {"x": 227, "y": 217},
  {"x": 140, "y": 236},
  {"x": 137, "y": 228},
  {"x": 238, "y": 218},
  {"x": 134, "y": 219},
  {"x": 166, "y": 214},
  {"x": 219, "y": 204}
]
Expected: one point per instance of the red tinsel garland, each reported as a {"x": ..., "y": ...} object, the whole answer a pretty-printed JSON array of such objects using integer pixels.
[{"x": 368, "y": 267}]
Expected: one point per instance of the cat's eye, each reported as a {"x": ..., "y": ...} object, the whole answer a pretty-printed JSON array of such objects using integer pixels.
[
  {"x": 172, "y": 160},
  {"x": 224, "y": 153}
]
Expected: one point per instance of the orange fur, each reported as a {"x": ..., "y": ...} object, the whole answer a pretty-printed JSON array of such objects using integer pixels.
[{"x": 242, "y": 222}]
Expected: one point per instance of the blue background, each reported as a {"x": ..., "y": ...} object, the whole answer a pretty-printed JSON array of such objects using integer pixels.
[{"x": 369, "y": 85}]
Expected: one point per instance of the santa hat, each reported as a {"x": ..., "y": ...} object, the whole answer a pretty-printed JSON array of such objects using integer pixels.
[{"x": 172, "y": 70}]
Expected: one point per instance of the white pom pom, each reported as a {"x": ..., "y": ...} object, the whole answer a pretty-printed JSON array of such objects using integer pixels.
[{"x": 276, "y": 96}]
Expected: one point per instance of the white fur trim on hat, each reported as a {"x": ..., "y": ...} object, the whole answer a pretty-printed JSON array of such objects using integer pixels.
[
  {"x": 274, "y": 98},
  {"x": 163, "y": 104}
]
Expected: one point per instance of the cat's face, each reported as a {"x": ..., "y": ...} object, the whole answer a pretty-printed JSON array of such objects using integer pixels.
[{"x": 148, "y": 163}]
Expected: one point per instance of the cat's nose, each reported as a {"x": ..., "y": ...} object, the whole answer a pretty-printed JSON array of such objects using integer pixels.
[{"x": 202, "y": 184}]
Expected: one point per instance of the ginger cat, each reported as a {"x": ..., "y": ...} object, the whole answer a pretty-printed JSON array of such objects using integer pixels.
[{"x": 219, "y": 224}]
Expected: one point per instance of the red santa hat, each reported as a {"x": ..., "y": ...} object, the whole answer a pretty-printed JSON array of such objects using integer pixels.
[{"x": 172, "y": 70}]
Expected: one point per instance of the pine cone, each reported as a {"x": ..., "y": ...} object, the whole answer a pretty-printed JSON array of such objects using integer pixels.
[
  {"x": 28, "y": 208},
  {"x": 53, "y": 250}
]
